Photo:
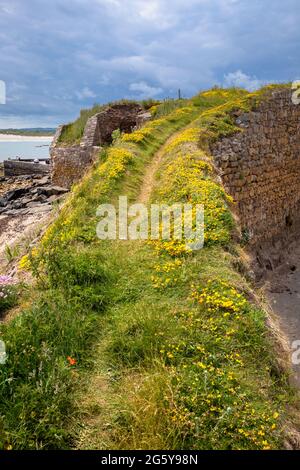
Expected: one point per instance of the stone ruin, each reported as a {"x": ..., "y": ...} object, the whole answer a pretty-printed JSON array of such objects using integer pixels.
[{"x": 69, "y": 163}]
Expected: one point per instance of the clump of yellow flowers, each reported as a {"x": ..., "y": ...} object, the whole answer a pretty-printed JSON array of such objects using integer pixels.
[
  {"x": 219, "y": 296},
  {"x": 189, "y": 135},
  {"x": 137, "y": 136}
]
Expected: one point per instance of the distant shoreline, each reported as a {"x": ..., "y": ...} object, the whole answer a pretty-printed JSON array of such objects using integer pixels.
[{"x": 24, "y": 138}]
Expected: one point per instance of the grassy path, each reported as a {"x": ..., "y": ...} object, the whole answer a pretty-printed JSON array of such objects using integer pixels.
[
  {"x": 133, "y": 262},
  {"x": 150, "y": 172},
  {"x": 101, "y": 403},
  {"x": 171, "y": 372}
]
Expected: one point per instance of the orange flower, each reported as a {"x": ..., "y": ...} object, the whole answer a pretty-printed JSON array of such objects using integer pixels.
[{"x": 71, "y": 361}]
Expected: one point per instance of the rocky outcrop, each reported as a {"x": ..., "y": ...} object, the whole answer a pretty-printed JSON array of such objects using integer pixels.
[{"x": 28, "y": 196}]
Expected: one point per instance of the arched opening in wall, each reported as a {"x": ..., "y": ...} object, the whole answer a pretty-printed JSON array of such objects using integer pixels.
[{"x": 127, "y": 125}]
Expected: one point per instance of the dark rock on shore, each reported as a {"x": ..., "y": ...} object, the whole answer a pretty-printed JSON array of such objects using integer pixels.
[{"x": 28, "y": 195}]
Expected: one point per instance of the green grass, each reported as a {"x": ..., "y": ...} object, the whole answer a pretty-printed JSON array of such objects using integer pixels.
[
  {"x": 155, "y": 394},
  {"x": 133, "y": 322},
  {"x": 169, "y": 105}
]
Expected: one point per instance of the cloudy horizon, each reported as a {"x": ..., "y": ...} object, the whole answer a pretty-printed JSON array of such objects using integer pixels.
[{"x": 59, "y": 57}]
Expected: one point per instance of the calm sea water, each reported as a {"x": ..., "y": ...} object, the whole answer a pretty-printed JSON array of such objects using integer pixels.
[{"x": 29, "y": 149}]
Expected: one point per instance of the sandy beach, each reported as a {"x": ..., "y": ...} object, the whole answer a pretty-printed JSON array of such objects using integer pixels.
[{"x": 24, "y": 138}]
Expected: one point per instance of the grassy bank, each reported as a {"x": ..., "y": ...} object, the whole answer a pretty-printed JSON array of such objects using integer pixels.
[{"x": 147, "y": 345}]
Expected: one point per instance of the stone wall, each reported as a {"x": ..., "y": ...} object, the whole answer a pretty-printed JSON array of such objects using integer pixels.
[
  {"x": 18, "y": 168},
  {"x": 260, "y": 168},
  {"x": 69, "y": 164}
]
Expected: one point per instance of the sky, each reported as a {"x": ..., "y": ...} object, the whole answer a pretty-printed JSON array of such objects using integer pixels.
[{"x": 60, "y": 56}]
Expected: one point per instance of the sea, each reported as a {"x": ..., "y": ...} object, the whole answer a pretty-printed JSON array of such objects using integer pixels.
[{"x": 28, "y": 149}]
